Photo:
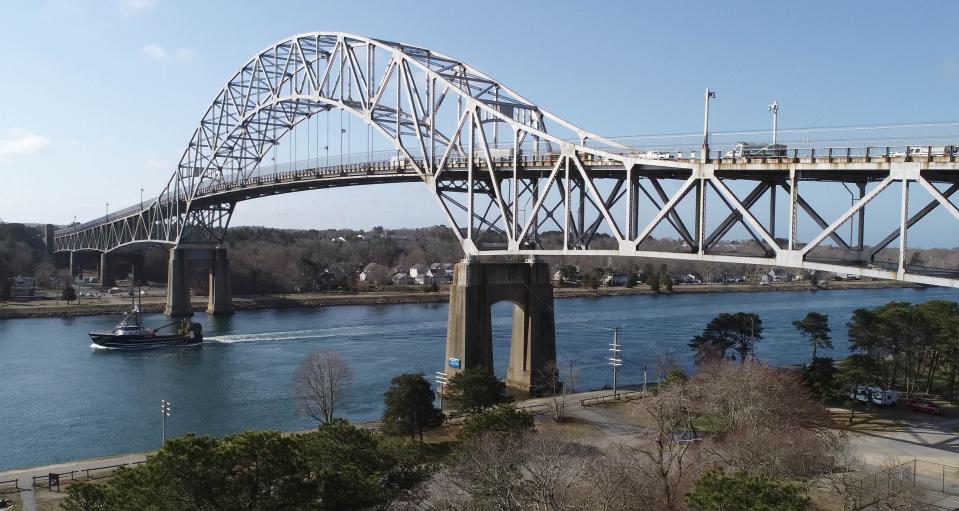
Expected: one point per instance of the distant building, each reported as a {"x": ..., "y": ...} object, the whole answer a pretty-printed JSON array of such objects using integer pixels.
[
  {"x": 374, "y": 273},
  {"x": 613, "y": 279},
  {"x": 402, "y": 279},
  {"x": 22, "y": 287},
  {"x": 418, "y": 269}
]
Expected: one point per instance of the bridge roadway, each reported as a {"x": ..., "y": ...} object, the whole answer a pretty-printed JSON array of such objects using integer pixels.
[{"x": 836, "y": 164}]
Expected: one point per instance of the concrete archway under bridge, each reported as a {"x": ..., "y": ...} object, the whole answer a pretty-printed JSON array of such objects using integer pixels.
[{"x": 475, "y": 288}]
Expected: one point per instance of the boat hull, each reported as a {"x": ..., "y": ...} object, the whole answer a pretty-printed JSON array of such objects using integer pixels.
[{"x": 132, "y": 342}]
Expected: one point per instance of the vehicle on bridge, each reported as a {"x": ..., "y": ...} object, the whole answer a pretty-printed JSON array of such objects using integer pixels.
[
  {"x": 750, "y": 150},
  {"x": 935, "y": 150}
]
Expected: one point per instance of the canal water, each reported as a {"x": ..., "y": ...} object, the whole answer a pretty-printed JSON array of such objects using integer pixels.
[{"x": 61, "y": 399}]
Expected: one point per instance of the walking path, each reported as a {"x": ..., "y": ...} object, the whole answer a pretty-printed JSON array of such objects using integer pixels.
[{"x": 25, "y": 476}]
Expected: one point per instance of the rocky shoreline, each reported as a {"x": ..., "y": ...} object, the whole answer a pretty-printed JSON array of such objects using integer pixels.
[{"x": 40, "y": 309}]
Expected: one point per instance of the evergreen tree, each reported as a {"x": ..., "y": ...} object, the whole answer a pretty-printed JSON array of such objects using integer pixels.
[
  {"x": 69, "y": 294},
  {"x": 815, "y": 327},
  {"x": 5, "y": 290},
  {"x": 409, "y": 406},
  {"x": 474, "y": 389},
  {"x": 716, "y": 491}
]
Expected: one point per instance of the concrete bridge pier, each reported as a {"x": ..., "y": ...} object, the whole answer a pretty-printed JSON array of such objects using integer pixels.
[
  {"x": 74, "y": 264},
  {"x": 469, "y": 342},
  {"x": 107, "y": 276},
  {"x": 178, "y": 284},
  {"x": 221, "y": 293},
  {"x": 138, "y": 267}
]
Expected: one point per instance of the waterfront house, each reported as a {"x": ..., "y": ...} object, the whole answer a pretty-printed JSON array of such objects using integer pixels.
[
  {"x": 403, "y": 279},
  {"x": 374, "y": 273},
  {"x": 418, "y": 269}
]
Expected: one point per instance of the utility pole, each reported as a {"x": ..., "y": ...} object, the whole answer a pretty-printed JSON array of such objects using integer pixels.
[
  {"x": 774, "y": 108},
  {"x": 705, "y": 156},
  {"x": 615, "y": 361},
  {"x": 644, "y": 380},
  {"x": 441, "y": 381},
  {"x": 164, "y": 413}
]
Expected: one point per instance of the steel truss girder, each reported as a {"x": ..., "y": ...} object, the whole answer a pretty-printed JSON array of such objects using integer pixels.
[{"x": 400, "y": 92}]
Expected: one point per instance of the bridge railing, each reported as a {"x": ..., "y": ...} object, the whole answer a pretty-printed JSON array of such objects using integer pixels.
[{"x": 919, "y": 140}]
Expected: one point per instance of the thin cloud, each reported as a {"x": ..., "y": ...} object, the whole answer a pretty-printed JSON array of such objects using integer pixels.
[
  {"x": 134, "y": 7},
  {"x": 949, "y": 69},
  {"x": 155, "y": 53},
  {"x": 18, "y": 142},
  {"x": 158, "y": 53}
]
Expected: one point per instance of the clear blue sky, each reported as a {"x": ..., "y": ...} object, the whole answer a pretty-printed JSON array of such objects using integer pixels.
[{"x": 99, "y": 98}]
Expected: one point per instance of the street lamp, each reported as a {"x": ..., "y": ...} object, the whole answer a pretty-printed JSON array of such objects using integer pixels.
[
  {"x": 774, "y": 108},
  {"x": 164, "y": 413},
  {"x": 141, "y": 199},
  {"x": 106, "y": 211},
  {"x": 705, "y": 156}
]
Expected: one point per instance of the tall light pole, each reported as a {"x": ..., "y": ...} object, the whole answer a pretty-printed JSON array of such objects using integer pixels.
[
  {"x": 164, "y": 413},
  {"x": 141, "y": 199},
  {"x": 106, "y": 212},
  {"x": 705, "y": 156},
  {"x": 774, "y": 108}
]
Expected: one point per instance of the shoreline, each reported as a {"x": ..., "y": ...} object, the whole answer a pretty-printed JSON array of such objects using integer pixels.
[{"x": 153, "y": 304}]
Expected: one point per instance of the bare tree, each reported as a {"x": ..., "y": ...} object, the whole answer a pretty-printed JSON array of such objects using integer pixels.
[
  {"x": 319, "y": 383},
  {"x": 553, "y": 381},
  {"x": 667, "y": 459}
]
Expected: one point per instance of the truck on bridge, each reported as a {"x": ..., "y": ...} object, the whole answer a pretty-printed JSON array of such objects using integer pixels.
[{"x": 751, "y": 150}]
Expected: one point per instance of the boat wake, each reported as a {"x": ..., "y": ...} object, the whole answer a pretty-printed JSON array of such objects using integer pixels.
[
  {"x": 318, "y": 333},
  {"x": 98, "y": 347}
]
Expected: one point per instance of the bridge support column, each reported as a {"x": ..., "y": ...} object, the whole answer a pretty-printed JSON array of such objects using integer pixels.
[
  {"x": 221, "y": 293},
  {"x": 74, "y": 264},
  {"x": 178, "y": 284},
  {"x": 138, "y": 267},
  {"x": 469, "y": 342},
  {"x": 107, "y": 276}
]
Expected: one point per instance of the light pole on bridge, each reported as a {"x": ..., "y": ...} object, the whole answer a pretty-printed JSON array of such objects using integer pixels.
[
  {"x": 774, "y": 108},
  {"x": 705, "y": 156},
  {"x": 106, "y": 212}
]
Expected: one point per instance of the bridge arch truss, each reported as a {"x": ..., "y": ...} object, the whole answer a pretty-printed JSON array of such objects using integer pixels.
[{"x": 511, "y": 178}]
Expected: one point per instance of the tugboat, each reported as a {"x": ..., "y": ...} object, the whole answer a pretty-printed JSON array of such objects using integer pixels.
[{"x": 129, "y": 333}]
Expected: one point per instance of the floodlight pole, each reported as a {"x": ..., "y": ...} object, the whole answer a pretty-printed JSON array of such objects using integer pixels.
[
  {"x": 705, "y": 156},
  {"x": 774, "y": 108},
  {"x": 164, "y": 413}
]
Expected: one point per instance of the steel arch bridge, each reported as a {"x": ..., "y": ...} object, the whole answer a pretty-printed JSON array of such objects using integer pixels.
[{"x": 511, "y": 178}]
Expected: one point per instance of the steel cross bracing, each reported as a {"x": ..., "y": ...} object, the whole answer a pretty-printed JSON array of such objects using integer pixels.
[{"x": 510, "y": 178}]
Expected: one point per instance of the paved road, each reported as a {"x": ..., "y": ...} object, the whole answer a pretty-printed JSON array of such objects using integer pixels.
[{"x": 920, "y": 438}]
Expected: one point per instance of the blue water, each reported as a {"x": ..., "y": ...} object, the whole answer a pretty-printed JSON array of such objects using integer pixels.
[{"x": 61, "y": 400}]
